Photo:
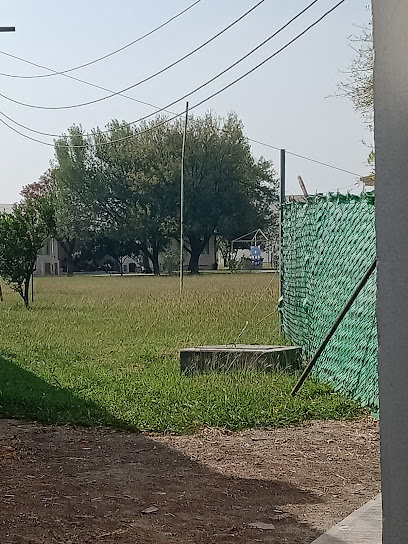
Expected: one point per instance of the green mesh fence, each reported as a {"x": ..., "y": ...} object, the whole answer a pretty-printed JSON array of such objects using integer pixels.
[{"x": 328, "y": 244}]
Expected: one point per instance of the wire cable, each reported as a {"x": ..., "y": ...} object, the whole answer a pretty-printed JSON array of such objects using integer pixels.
[
  {"x": 173, "y": 18},
  {"x": 306, "y": 158},
  {"x": 317, "y": 21},
  {"x": 165, "y": 108},
  {"x": 148, "y": 78}
]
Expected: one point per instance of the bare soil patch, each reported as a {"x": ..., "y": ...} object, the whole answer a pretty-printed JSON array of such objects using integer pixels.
[{"x": 74, "y": 485}]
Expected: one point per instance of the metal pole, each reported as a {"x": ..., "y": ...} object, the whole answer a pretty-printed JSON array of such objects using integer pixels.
[
  {"x": 282, "y": 198},
  {"x": 303, "y": 187},
  {"x": 339, "y": 319},
  {"x": 7, "y": 28},
  {"x": 183, "y": 149}
]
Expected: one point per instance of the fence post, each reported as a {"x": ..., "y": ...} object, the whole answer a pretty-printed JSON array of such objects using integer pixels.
[{"x": 282, "y": 197}]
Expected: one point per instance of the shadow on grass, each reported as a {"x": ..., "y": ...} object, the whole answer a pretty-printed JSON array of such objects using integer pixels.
[{"x": 25, "y": 395}]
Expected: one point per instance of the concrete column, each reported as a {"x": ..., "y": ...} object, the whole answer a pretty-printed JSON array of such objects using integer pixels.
[{"x": 391, "y": 142}]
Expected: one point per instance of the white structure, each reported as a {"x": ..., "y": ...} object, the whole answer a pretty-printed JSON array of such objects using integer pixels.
[
  {"x": 48, "y": 261},
  {"x": 7, "y": 208}
]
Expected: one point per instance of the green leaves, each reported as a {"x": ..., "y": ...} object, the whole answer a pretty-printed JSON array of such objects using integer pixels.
[
  {"x": 130, "y": 189},
  {"x": 22, "y": 234}
]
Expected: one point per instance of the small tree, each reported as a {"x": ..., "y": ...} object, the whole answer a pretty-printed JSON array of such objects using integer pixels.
[{"x": 22, "y": 234}]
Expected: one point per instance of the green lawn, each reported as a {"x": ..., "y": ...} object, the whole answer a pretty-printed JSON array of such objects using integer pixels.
[{"x": 104, "y": 350}]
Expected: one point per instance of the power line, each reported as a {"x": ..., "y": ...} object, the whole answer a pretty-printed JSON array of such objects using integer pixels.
[
  {"x": 209, "y": 97},
  {"x": 165, "y": 108},
  {"x": 148, "y": 78},
  {"x": 178, "y": 115},
  {"x": 173, "y": 18},
  {"x": 306, "y": 158}
]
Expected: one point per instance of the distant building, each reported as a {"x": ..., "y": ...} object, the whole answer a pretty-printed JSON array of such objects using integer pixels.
[
  {"x": 48, "y": 260},
  {"x": 7, "y": 208}
]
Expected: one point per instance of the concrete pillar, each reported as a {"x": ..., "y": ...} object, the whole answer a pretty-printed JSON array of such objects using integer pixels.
[{"x": 391, "y": 142}]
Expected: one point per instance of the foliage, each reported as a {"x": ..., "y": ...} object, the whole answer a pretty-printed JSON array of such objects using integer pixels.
[
  {"x": 22, "y": 234},
  {"x": 109, "y": 245},
  {"x": 73, "y": 184},
  {"x": 359, "y": 87},
  {"x": 129, "y": 179},
  {"x": 226, "y": 192},
  {"x": 170, "y": 261},
  {"x": 40, "y": 188},
  {"x": 105, "y": 351}
]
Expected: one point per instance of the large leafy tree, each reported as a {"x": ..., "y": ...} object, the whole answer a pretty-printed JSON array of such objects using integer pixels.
[
  {"x": 136, "y": 184},
  {"x": 72, "y": 188},
  {"x": 129, "y": 179},
  {"x": 226, "y": 190},
  {"x": 22, "y": 234}
]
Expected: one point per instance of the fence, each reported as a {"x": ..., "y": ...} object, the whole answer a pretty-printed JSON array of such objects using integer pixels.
[{"x": 328, "y": 244}]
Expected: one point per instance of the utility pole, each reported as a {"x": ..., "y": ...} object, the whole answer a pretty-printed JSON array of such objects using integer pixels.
[{"x": 183, "y": 149}]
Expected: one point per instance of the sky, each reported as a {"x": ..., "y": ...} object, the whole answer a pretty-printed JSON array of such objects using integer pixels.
[{"x": 287, "y": 103}]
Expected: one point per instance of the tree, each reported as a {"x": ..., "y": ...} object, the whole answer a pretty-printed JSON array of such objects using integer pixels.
[
  {"x": 72, "y": 183},
  {"x": 226, "y": 191},
  {"x": 359, "y": 87},
  {"x": 22, "y": 234},
  {"x": 137, "y": 177},
  {"x": 109, "y": 244},
  {"x": 128, "y": 179},
  {"x": 40, "y": 188}
]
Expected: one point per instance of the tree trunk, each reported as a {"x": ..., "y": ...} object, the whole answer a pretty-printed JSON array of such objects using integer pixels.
[
  {"x": 1, "y": 293},
  {"x": 69, "y": 246},
  {"x": 193, "y": 263},
  {"x": 197, "y": 245},
  {"x": 155, "y": 260},
  {"x": 146, "y": 261},
  {"x": 26, "y": 290},
  {"x": 70, "y": 265}
]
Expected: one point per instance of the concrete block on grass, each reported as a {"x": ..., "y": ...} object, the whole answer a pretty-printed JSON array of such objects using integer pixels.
[{"x": 240, "y": 357}]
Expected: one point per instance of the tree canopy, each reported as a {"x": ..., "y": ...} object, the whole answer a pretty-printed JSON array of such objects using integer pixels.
[
  {"x": 125, "y": 182},
  {"x": 22, "y": 234}
]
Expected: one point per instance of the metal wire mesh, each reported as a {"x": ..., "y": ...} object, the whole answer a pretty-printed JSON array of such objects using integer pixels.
[{"x": 328, "y": 244}]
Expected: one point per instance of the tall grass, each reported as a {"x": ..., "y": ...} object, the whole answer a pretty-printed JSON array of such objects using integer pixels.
[{"x": 104, "y": 350}]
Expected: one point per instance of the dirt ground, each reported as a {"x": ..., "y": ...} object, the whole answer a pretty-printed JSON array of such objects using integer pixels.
[{"x": 74, "y": 485}]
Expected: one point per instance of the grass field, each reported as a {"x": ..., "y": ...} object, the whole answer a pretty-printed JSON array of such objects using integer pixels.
[{"x": 104, "y": 350}]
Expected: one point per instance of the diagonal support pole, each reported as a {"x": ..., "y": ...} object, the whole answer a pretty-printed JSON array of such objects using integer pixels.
[{"x": 339, "y": 319}]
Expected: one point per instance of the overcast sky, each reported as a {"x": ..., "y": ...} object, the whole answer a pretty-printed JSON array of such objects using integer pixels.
[{"x": 286, "y": 103}]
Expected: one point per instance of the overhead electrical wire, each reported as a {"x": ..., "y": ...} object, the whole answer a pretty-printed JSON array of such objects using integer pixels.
[
  {"x": 63, "y": 72},
  {"x": 148, "y": 78},
  {"x": 317, "y": 21},
  {"x": 165, "y": 108},
  {"x": 305, "y": 158},
  {"x": 249, "y": 139}
]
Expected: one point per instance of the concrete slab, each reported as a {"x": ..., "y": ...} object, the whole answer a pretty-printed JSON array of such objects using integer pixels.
[
  {"x": 240, "y": 357},
  {"x": 364, "y": 526}
]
